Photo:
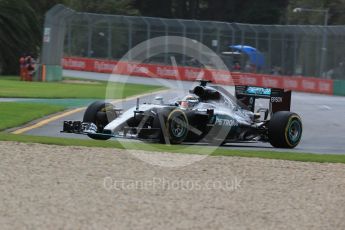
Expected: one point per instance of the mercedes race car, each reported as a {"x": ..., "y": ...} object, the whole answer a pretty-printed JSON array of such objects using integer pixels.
[{"x": 208, "y": 114}]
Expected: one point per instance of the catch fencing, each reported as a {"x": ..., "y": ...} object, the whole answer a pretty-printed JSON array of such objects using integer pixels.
[
  {"x": 299, "y": 50},
  {"x": 297, "y": 57}
]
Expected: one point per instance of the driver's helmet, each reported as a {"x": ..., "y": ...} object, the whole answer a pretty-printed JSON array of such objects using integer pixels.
[{"x": 189, "y": 101}]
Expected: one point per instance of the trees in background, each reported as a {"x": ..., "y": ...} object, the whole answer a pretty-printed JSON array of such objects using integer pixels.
[
  {"x": 21, "y": 21},
  {"x": 19, "y": 32},
  {"x": 336, "y": 12},
  {"x": 305, "y": 18},
  {"x": 103, "y": 6},
  {"x": 21, "y": 24},
  {"x": 250, "y": 11}
]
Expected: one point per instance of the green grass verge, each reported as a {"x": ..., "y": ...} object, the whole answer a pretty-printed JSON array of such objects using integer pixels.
[
  {"x": 12, "y": 87},
  {"x": 12, "y": 115},
  {"x": 10, "y": 78},
  {"x": 304, "y": 157},
  {"x": 16, "y": 114}
]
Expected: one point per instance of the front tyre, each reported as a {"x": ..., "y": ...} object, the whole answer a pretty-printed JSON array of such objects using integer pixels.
[
  {"x": 177, "y": 127},
  {"x": 99, "y": 113},
  {"x": 285, "y": 130}
]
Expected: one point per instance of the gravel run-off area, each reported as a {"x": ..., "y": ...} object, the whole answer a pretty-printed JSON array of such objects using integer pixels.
[{"x": 52, "y": 187}]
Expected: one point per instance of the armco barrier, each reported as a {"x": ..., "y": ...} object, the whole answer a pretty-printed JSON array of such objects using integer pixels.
[{"x": 296, "y": 83}]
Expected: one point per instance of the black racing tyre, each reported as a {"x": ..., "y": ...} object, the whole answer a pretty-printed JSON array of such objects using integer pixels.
[
  {"x": 285, "y": 130},
  {"x": 177, "y": 126},
  {"x": 100, "y": 113}
]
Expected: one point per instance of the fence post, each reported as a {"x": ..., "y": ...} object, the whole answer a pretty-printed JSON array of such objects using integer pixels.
[
  {"x": 69, "y": 39},
  {"x": 89, "y": 38},
  {"x": 201, "y": 38},
  {"x": 184, "y": 41},
  {"x": 166, "y": 32},
  {"x": 130, "y": 38},
  {"x": 270, "y": 49},
  {"x": 110, "y": 38},
  {"x": 283, "y": 64},
  {"x": 295, "y": 53},
  {"x": 148, "y": 36},
  {"x": 218, "y": 37}
]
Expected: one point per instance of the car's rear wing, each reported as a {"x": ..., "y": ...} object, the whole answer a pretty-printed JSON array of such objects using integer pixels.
[{"x": 280, "y": 99}]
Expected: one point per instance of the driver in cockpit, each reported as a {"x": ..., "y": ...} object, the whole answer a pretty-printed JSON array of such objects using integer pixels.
[{"x": 189, "y": 102}]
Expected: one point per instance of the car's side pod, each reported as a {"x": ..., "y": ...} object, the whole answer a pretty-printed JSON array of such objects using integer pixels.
[{"x": 280, "y": 99}]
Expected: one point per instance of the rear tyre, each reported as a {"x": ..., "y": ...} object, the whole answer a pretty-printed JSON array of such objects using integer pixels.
[
  {"x": 100, "y": 113},
  {"x": 285, "y": 130},
  {"x": 177, "y": 127}
]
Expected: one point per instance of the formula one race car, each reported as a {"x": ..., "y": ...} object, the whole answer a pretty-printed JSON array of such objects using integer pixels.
[{"x": 209, "y": 114}]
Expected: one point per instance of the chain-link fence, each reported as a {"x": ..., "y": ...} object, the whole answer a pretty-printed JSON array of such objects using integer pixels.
[{"x": 277, "y": 49}]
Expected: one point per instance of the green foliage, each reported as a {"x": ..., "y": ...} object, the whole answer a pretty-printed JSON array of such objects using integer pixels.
[
  {"x": 102, "y": 6},
  {"x": 336, "y": 12},
  {"x": 21, "y": 21},
  {"x": 305, "y": 18},
  {"x": 251, "y": 11},
  {"x": 41, "y": 7},
  {"x": 19, "y": 32},
  {"x": 337, "y": 9}
]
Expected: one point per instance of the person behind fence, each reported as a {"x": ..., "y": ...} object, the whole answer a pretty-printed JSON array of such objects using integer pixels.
[
  {"x": 339, "y": 71},
  {"x": 236, "y": 67},
  {"x": 276, "y": 70},
  {"x": 249, "y": 68}
]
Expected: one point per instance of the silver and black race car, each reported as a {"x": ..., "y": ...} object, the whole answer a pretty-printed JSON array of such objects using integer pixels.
[{"x": 208, "y": 114}]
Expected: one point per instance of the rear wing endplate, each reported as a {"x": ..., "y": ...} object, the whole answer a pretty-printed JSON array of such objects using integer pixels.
[{"x": 280, "y": 99}]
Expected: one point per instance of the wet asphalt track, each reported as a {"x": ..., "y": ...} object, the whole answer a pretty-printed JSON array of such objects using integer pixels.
[{"x": 322, "y": 116}]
